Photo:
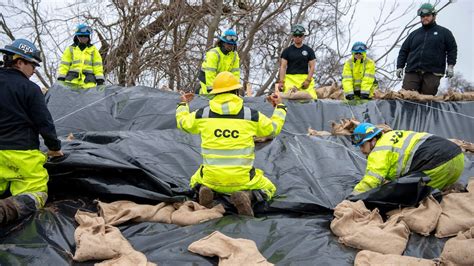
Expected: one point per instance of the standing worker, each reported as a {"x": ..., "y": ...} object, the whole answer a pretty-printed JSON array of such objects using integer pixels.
[
  {"x": 358, "y": 74},
  {"x": 425, "y": 52},
  {"x": 297, "y": 65},
  {"x": 81, "y": 63},
  {"x": 223, "y": 57},
  {"x": 227, "y": 129},
  {"x": 399, "y": 153},
  {"x": 23, "y": 115}
]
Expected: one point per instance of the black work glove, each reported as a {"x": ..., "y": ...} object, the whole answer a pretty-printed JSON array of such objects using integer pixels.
[
  {"x": 62, "y": 79},
  {"x": 350, "y": 97},
  {"x": 100, "y": 82},
  {"x": 364, "y": 96}
]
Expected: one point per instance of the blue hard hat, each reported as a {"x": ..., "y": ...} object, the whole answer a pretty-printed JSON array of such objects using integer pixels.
[
  {"x": 364, "y": 132},
  {"x": 25, "y": 49},
  {"x": 359, "y": 47},
  {"x": 229, "y": 36},
  {"x": 83, "y": 30}
]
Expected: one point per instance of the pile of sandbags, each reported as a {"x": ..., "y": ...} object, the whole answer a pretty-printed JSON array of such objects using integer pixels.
[
  {"x": 415, "y": 96},
  {"x": 330, "y": 92}
]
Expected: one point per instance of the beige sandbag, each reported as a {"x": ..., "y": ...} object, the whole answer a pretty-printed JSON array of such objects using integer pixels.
[
  {"x": 458, "y": 213},
  {"x": 465, "y": 146},
  {"x": 130, "y": 257},
  {"x": 459, "y": 250},
  {"x": 190, "y": 212},
  {"x": 423, "y": 219},
  {"x": 345, "y": 127},
  {"x": 388, "y": 238},
  {"x": 231, "y": 252},
  {"x": 118, "y": 212},
  {"x": 314, "y": 132},
  {"x": 349, "y": 215},
  {"x": 296, "y": 95},
  {"x": 368, "y": 258},
  {"x": 96, "y": 240}
]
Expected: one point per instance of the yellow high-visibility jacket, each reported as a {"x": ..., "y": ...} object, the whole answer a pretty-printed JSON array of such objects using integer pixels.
[
  {"x": 227, "y": 129},
  {"x": 81, "y": 68},
  {"x": 216, "y": 62},
  {"x": 391, "y": 158},
  {"x": 359, "y": 75}
]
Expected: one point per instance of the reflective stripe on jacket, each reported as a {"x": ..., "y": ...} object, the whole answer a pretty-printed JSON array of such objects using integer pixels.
[
  {"x": 359, "y": 76},
  {"x": 227, "y": 129},
  {"x": 81, "y": 67},
  {"x": 391, "y": 158},
  {"x": 216, "y": 62}
]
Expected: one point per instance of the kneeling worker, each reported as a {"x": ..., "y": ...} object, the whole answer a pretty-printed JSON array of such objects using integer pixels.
[
  {"x": 227, "y": 128},
  {"x": 399, "y": 153},
  {"x": 24, "y": 115}
]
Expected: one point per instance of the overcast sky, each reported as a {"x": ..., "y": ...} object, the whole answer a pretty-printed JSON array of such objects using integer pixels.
[{"x": 457, "y": 17}]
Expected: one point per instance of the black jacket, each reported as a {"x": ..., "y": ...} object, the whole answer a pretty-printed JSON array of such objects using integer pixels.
[
  {"x": 23, "y": 114},
  {"x": 427, "y": 48}
]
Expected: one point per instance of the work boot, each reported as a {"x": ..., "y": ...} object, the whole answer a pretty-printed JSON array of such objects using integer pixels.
[
  {"x": 8, "y": 211},
  {"x": 242, "y": 200},
  {"x": 206, "y": 196}
]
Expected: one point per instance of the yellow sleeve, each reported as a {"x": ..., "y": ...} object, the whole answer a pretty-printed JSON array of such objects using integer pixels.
[
  {"x": 186, "y": 121},
  {"x": 97, "y": 66},
  {"x": 271, "y": 126},
  {"x": 209, "y": 66},
  {"x": 368, "y": 78},
  {"x": 65, "y": 62},
  {"x": 236, "y": 66},
  {"x": 377, "y": 171},
  {"x": 347, "y": 79}
]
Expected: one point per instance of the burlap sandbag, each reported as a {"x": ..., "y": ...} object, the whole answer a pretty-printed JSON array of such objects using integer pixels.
[
  {"x": 349, "y": 215},
  {"x": 190, "y": 212},
  {"x": 388, "y": 238},
  {"x": 423, "y": 219},
  {"x": 296, "y": 95},
  {"x": 361, "y": 228},
  {"x": 368, "y": 258},
  {"x": 231, "y": 252},
  {"x": 458, "y": 213},
  {"x": 459, "y": 250},
  {"x": 118, "y": 212},
  {"x": 96, "y": 240},
  {"x": 92, "y": 236}
]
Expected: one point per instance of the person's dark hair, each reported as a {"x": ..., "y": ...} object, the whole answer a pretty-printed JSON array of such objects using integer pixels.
[{"x": 8, "y": 60}]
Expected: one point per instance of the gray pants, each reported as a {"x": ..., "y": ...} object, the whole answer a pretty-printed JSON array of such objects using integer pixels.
[{"x": 424, "y": 83}]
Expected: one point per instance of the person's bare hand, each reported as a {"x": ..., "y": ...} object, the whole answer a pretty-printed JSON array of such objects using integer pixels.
[
  {"x": 274, "y": 99},
  {"x": 305, "y": 84},
  {"x": 55, "y": 153},
  {"x": 187, "y": 97}
]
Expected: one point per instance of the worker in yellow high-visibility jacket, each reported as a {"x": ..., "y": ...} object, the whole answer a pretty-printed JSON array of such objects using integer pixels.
[
  {"x": 399, "y": 153},
  {"x": 227, "y": 129},
  {"x": 223, "y": 57},
  {"x": 81, "y": 63},
  {"x": 358, "y": 74}
]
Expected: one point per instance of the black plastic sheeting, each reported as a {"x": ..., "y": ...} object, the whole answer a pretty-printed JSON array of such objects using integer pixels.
[{"x": 127, "y": 146}]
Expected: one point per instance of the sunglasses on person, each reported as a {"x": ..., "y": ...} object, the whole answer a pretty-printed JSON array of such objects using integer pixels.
[
  {"x": 298, "y": 35},
  {"x": 231, "y": 38}
]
